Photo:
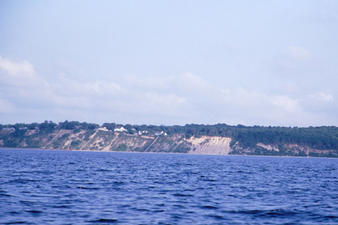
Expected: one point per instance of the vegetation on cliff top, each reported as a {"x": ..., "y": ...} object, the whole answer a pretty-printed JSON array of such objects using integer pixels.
[{"x": 324, "y": 137}]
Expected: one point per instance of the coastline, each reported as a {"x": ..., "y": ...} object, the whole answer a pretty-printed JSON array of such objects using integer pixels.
[{"x": 181, "y": 153}]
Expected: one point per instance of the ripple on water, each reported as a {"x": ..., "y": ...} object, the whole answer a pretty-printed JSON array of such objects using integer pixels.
[
  {"x": 107, "y": 188},
  {"x": 103, "y": 220}
]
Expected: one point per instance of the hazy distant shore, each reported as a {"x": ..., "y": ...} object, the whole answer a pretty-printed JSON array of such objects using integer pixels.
[
  {"x": 218, "y": 139},
  {"x": 179, "y": 153}
]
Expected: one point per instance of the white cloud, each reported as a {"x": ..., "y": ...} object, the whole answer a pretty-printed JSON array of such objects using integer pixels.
[
  {"x": 256, "y": 101},
  {"x": 299, "y": 53},
  {"x": 13, "y": 68},
  {"x": 322, "y": 97},
  {"x": 164, "y": 101},
  {"x": 19, "y": 73},
  {"x": 286, "y": 104},
  {"x": 181, "y": 98},
  {"x": 192, "y": 80},
  {"x": 179, "y": 82},
  {"x": 68, "y": 86}
]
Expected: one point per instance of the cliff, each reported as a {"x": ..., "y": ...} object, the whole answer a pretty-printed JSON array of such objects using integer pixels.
[{"x": 194, "y": 139}]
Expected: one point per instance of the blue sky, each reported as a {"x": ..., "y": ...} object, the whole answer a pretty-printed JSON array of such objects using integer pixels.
[{"x": 170, "y": 62}]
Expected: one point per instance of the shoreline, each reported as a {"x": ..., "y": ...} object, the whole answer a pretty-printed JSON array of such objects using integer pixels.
[{"x": 183, "y": 153}]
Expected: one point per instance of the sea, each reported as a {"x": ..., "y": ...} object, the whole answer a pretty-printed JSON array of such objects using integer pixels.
[{"x": 79, "y": 187}]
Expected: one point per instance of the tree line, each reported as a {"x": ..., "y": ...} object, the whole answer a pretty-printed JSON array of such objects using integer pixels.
[{"x": 323, "y": 137}]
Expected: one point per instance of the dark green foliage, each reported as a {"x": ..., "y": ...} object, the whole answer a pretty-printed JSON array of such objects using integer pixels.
[
  {"x": 315, "y": 137},
  {"x": 325, "y": 137},
  {"x": 122, "y": 147},
  {"x": 109, "y": 126},
  {"x": 75, "y": 143},
  {"x": 72, "y": 125},
  {"x": 47, "y": 127},
  {"x": 68, "y": 125}
]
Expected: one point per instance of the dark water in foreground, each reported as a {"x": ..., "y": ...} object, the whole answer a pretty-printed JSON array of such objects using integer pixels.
[{"x": 59, "y": 187}]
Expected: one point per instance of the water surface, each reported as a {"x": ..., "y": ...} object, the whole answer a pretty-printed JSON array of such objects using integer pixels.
[{"x": 63, "y": 187}]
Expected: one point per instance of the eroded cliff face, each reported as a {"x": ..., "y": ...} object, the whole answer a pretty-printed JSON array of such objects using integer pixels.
[
  {"x": 210, "y": 145},
  {"x": 102, "y": 139}
]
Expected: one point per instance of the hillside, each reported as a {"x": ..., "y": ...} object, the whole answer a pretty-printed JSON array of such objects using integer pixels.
[{"x": 219, "y": 139}]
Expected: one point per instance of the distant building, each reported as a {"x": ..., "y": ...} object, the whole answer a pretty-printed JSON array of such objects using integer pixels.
[
  {"x": 161, "y": 133},
  {"x": 103, "y": 129},
  {"x": 121, "y": 129},
  {"x": 140, "y": 132}
]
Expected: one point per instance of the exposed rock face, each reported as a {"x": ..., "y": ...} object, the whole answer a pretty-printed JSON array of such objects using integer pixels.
[
  {"x": 268, "y": 147},
  {"x": 210, "y": 145},
  {"x": 103, "y": 139},
  {"x": 100, "y": 139}
]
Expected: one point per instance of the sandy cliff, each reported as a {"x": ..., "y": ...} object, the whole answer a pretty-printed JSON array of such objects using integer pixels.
[
  {"x": 210, "y": 145},
  {"x": 121, "y": 139}
]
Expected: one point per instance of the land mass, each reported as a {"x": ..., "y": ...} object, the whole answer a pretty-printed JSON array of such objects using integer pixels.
[{"x": 220, "y": 139}]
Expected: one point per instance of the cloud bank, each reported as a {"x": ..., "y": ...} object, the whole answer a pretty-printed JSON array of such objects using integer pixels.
[{"x": 27, "y": 96}]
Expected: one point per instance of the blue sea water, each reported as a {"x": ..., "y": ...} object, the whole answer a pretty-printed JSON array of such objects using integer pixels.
[{"x": 68, "y": 187}]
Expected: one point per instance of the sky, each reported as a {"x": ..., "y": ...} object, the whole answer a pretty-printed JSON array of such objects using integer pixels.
[{"x": 271, "y": 63}]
